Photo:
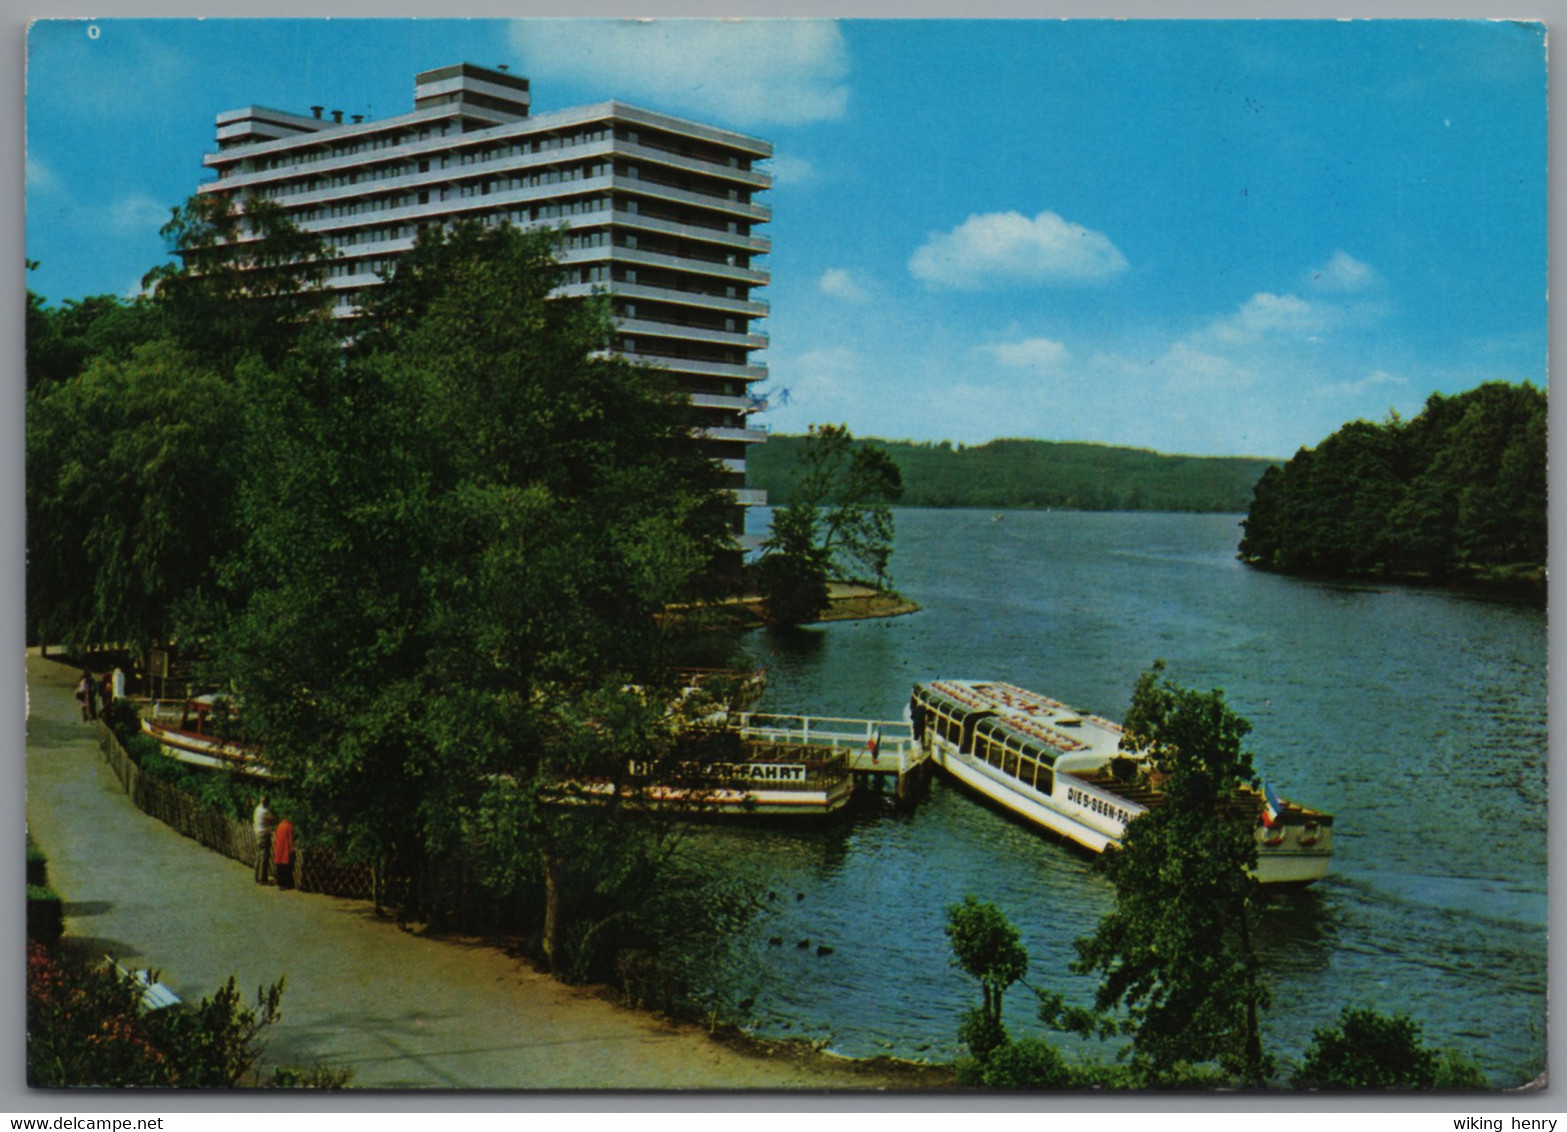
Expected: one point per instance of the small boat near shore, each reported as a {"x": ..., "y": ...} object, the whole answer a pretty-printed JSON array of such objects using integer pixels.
[
  {"x": 1066, "y": 772},
  {"x": 193, "y": 731}
]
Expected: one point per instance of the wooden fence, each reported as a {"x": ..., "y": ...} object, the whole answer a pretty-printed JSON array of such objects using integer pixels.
[{"x": 315, "y": 869}]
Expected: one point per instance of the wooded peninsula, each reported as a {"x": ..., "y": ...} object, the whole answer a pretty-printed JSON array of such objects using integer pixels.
[
  {"x": 1458, "y": 493},
  {"x": 1037, "y": 474}
]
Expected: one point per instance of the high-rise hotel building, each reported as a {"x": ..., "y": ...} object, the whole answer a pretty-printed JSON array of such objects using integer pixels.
[{"x": 658, "y": 211}]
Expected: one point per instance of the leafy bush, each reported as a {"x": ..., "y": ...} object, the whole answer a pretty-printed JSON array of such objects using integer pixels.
[
  {"x": 215, "y": 1044},
  {"x": 1028, "y": 1063},
  {"x": 311, "y": 1077},
  {"x": 1367, "y": 1050},
  {"x": 45, "y": 914},
  {"x": 85, "y": 1027},
  {"x": 982, "y": 1033},
  {"x": 37, "y": 867},
  {"x": 793, "y": 587},
  {"x": 1455, "y": 1073}
]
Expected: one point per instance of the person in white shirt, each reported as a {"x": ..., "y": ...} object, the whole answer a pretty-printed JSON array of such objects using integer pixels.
[{"x": 262, "y": 822}]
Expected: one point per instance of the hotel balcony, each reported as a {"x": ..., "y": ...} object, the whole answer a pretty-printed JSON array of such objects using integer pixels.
[
  {"x": 742, "y": 435},
  {"x": 638, "y": 327},
  {"x": 689, "y": 365},
  {"x": 729, "y": 402}
]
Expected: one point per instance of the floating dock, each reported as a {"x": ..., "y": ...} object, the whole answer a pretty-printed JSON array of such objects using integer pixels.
[{"x": 870, "y": 747}]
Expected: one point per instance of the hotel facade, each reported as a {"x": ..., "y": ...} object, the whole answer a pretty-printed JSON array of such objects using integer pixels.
[{"x": 656, "y": 211}]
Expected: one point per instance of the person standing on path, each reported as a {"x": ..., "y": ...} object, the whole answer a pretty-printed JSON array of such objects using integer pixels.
[
  {"x": 283, "y": 853},
  {"x": 262, "y": 821},
  {"x": 87, "y": 696}
]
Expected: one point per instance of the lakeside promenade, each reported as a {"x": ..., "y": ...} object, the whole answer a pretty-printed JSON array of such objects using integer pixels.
[{"x": 402, "y": 1011}]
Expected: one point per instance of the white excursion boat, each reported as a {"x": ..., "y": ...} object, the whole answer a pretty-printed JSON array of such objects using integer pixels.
[
  {"x": 197, "y": 736},
  {"x": 1065, "y": 771}
]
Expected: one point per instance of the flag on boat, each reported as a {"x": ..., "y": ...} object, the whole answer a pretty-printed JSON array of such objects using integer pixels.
[
  {"x": 1272, "y": 808},
  {"x": 874, "y": 746}
]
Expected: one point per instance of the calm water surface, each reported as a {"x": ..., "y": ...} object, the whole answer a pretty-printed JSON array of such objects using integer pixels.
[{"x": 1417, "y": 717}]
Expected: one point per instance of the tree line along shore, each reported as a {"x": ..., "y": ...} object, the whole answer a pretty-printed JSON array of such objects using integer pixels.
[
  {"x": 1456, "y": 494},
  {"x": 1036, "y": 474}
]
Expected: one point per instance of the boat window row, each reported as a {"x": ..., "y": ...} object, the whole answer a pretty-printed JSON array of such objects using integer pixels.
[
  {"x": 1014, "y": 754},
  {"x": 980, "y": 733}
]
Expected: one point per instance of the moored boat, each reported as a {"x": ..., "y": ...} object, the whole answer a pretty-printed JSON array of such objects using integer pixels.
[
  {"x": 793, "y": 783},
  {"x": 200, "y": 735},
  {"x": 1066, "y": 771}
]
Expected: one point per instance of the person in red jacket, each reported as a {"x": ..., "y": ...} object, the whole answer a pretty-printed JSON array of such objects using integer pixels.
[{"x": 283, "y": 853}]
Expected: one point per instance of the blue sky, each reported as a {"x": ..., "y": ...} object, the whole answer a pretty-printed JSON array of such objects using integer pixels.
[{"x": 1202, "y": 236}]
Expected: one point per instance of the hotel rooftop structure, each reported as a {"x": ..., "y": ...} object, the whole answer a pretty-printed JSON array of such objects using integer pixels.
[{"x": 657, "y": 211}]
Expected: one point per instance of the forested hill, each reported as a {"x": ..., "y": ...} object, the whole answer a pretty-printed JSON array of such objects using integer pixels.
[
  {"x": 1037, "y": 474},
  {"x": 1457, "y": 492}
]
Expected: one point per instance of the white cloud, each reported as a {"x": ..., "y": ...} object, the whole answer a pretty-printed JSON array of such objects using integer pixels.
[
  {"x": 790, "y": 170},
  {"x": 1187, "y": 368},
  {"x": 1002, "y": 248},
  {"x": 1030, "y": 353},
  {"x": 40, "y": 176},
  {"x": 753, "y": 72},
  {"x": 1343, "y": 273},
  {"x": 1266, "y": 315},
  {"x": 138, "y": 215},
  {"x": 1376, "y": 379},
  {"x": 838, "y": 283}
]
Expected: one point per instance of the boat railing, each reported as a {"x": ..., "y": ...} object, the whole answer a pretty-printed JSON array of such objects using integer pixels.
[{"x": 869, "y": 744}]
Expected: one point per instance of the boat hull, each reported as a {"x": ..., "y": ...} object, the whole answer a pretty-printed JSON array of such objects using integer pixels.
[{"x": 205, "y": 751}]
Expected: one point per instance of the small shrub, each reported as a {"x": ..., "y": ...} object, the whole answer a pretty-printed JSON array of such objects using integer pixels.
[
  {"x": 45, "y": 915},
  {"x": 37, "y": 867},
  {"x": 121, "y": 718},
  {"x": 1028, "y": 1063},
  {"x": 313, "y": 1077},
  {"x": 1367, "y": 1050},
  {"x": 982, "y": 1033},
  {"x": 85, "y": 1027},
  {"x": 1456, "y": 1073},
  {"x": 217, "y": 1043}
]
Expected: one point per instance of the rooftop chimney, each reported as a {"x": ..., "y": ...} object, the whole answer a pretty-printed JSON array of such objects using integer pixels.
[
  {"x": 316, "y": 110},
  {"x": 358, "y": 118},
  {"x": 502, "y": 67},
  {"x": 337, "y": 116}
]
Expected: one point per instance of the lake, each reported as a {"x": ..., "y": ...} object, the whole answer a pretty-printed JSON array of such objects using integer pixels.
[{"x": 1416, "y": 716}]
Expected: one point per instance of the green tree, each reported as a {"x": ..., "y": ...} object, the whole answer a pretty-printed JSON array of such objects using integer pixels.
[
  {"x": 792, "y": 573},
  {"x": 1367, "y": 1050},
  {"x": 1459, "y": 491},
  {"x": 1175, "y": 952},
  {"x": 61, "y": 341},
  {"x": 460, "y": 542},
  {"x": 987, "y": 946},
  {"x": 130, "y": 480},
  {"x": 248, "y": 282},
  {"x": 848, "y": 486}
]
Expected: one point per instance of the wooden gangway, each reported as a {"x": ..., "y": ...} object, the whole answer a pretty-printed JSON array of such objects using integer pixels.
[{"x": 871, "y": 746}]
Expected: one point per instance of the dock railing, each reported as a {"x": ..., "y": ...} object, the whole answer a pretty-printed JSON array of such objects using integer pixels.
[{"x": 877, "y": 746}]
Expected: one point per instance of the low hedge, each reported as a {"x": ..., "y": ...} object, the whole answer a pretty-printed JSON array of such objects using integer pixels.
[
  {"x": 37, "y": 868},
  {"x": 45, "y": 915}
]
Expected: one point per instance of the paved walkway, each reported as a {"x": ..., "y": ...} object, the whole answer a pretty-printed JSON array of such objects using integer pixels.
[{"x": 403, "y": 1012}]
